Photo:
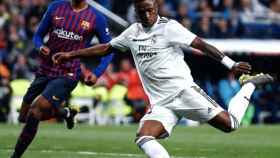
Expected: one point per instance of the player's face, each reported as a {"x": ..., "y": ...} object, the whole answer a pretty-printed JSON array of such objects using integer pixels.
[{"x": 147, "y": 12}]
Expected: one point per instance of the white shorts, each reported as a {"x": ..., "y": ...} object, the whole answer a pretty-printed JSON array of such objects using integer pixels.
[{"x": 192, "y": 103}]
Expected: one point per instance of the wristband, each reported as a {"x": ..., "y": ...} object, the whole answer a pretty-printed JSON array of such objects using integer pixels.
[{"x": 229, "y": 63}]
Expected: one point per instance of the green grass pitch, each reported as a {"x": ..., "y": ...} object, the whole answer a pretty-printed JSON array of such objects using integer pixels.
[{"x": 54, "y": 141}]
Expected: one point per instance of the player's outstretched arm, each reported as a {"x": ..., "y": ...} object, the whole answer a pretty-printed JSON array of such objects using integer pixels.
[
  {"x": 97, "y": 50},
  {"x": 213, "y": 52}
]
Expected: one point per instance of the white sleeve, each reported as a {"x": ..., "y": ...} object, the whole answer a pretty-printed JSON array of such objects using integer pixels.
[
  {"x": 121, "y": 42},
  {"x": 178, "y": 34}
]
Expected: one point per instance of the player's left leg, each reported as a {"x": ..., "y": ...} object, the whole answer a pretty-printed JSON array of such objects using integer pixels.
[
  {"x": 57, "y": 92},
  {"x": 230, "y": 120},
  {"x": 196, "y": 105}
]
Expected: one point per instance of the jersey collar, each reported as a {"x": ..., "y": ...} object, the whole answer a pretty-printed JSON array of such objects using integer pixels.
[{"x": 147, "y": 29}]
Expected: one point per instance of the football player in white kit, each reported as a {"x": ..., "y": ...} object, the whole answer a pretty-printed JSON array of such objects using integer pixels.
[{"x": 155, "y": 43}]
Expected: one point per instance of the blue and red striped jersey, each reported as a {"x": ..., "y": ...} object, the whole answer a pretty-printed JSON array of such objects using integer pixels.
[{"x": 70, "y": 30}]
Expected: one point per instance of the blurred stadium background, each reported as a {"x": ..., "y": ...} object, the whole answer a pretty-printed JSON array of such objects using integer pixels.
[{"x": 247, "y": 30}]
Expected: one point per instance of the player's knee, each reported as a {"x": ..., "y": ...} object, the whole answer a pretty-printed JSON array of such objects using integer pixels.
[
  {"x": 39, "y": 107},
  {"x": 229, "y": 126},
  {"x": 43, "y": 103},
  {"x": 21, "y": 119},
  {"x": 141, "y": 140},
  {"x": 35, "y": 112},
  {"x": 232, "y": 124},
  {"x": 228, "y": 129},
  {"x": 24, "y": 109}
]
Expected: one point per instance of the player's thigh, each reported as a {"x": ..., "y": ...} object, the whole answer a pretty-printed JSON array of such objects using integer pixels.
[
  {"x": 41, "y": 107},
  {"x": 195, "y": 104},
  {"x": 58, "y": 90},
  {"x": 159, "y": 123},
  {"x": 36, "y": 88}
]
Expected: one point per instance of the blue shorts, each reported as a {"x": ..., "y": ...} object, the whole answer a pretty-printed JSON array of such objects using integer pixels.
[{"x": 55, "y": 90}]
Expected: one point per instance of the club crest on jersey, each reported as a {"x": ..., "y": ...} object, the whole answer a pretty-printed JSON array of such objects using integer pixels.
[
  {"x": 85, "y": 25},
  {"x": 154, "y": 39}
]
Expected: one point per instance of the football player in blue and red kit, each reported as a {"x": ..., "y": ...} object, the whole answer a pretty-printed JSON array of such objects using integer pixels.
[{"x": 70, "y": 25}]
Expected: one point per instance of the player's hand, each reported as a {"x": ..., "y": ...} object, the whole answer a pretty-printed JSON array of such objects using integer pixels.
[
  {"x": 89, "y": 78},
  {"x": 61, "y": 57},
  {"x": 45, "y": 50},
  {"x": 242, "y": 68}
]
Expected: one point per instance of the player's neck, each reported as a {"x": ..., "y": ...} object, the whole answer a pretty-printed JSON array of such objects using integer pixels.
[
  {"x": 150, "y": 27},
  {"x": 77, "y": 7}
]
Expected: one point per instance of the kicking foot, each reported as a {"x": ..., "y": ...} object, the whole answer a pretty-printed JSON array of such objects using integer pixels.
[
  {"x": 258, "y": 79},
  {"x": 70, "y": 121}
]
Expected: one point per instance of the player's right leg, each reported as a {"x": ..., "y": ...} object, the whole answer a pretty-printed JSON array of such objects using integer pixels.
[
  {"x": 39, "y": 108},
  {"x": 146, "y": 139},
  {"x": 155, "y": 125},
  {"x": 24, "y": 109},
  {"x": 230, "y": 120}
]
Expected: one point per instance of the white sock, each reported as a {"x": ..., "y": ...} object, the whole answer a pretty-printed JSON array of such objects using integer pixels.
[
  {"x": 68, "y": 112},
  {"x": 152, "y": 148},
  {"x": 239, "y": 104}
]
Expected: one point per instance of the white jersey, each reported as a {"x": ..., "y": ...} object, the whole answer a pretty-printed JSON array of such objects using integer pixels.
[{"x": 158, "y": 57}]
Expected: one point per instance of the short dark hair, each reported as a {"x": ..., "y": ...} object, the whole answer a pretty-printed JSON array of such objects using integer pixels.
[{"x": 137, "y": 1}]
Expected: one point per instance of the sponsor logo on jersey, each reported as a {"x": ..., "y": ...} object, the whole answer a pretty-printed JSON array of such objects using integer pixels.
[
  {"x": 146, "y": 52},
  {"x": 146, "y": 55},
  {"x": 58, "y": 18},
  {"x": 85, "y": 25},
  {"x": 61, "y": 33},
  {"x": 147, "y": 49}
]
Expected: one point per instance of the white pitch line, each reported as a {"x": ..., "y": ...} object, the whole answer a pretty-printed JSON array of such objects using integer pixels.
[
  {"x": 110, "y": 154},
  {"x": 123, "y": 154},
  {"x": 98, "y": 153}
]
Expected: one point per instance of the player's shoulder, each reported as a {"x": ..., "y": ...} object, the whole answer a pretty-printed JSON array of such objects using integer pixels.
[
  {"x": 172, "y": 24},
  {"x": 132, "y": 28},
  {"x": 97, "y": 13},
  {"x": 165, "y": 22}
]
